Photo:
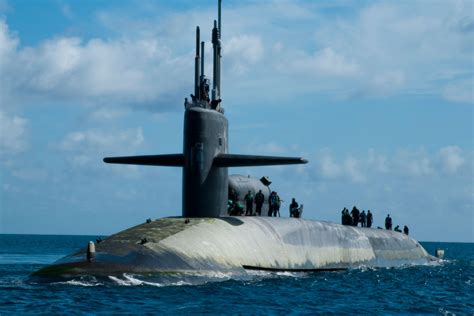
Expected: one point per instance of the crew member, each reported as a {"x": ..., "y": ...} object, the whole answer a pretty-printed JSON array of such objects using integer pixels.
[
  {"x": 259, "y": 199},
  {"x": 271, "y": 203},
  {"x": 205, "y": 90},
  {"x": 370, "y": 219},
  {"x": 294, "y": 211},
  {"x": 388, "y": 222},
  {"x": 277, "y": 205},
  {"x": 233, "y": 195},
  {"x": 363, "y": 219},
  {"x": 346, "y": 217},
  {"x": 397, "y": 229},
  {"x": 237, "y": 209},
  {"x": 215, "y": 103},
  {"x": 355, "y": 216},
  {"x": 248, "y": 203},
  {"x": 405, "y": 230}
]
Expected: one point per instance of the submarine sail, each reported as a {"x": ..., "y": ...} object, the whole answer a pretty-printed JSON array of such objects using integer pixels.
[{"x": 205, "y": 156}]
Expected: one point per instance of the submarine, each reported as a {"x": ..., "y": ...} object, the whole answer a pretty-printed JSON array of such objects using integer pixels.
[{"x": 206, "y": 238}]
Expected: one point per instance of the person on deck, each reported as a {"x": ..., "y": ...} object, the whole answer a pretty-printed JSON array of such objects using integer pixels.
[
  {"x": 405, "y": 230},
  {"x": 249, "y": 204},
  {"x": 294, "y": 211},
  {"x": 347, "y": 217},
  {"x": 388, "y": 222},
  {"x": 355, "y": 216},
  {"x": 259, "y": 199},
  {"x": 277, "y": 205},
  {"x": 370, "y": 219},
  {"x": 271, "y": 203},
  {"x": 363, "y": 219}
]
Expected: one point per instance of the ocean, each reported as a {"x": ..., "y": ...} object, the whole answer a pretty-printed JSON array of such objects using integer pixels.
[{"x": 444, "y": 288}]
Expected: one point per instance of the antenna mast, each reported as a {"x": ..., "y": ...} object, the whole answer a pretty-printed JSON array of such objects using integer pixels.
[
  {"x": 197, "y": 72},
  {"x": 216, "y": 44},
  {"x": 219, "y": 55}
]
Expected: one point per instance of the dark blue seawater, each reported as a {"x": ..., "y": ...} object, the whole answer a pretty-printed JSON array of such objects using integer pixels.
[{"x": 445, "y": 288}]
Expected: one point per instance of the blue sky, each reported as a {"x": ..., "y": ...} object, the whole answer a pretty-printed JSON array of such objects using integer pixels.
[{"x": 377, "y": 95}]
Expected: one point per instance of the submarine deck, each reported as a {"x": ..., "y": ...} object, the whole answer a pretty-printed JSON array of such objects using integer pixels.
[{"x": 176, "y": 244}]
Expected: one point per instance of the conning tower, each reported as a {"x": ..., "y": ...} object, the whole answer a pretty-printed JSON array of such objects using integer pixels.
[{"x": 205, "y": 156}]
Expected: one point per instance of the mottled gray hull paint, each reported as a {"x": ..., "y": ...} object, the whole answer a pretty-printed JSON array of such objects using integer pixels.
[{"x": 232, "y": 243}]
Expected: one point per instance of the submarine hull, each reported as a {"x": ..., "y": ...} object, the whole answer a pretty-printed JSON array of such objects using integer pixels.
[{"x": 238, "y": 244}]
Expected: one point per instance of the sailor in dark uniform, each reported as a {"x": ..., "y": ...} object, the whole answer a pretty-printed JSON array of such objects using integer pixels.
[
  {"x": 405, "y": 230},
  {"x": 294, "y": 212},
  {"x": 388, "y": 222},
  {"x": 259, "y": 199},
  {"x": 370, "y": 219},
  {"x": 248, "y": 203}
]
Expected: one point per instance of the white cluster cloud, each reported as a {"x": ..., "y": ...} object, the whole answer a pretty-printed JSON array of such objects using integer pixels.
[
  {"x": 419, "y": 167},
  {"x": 328, "y": 168},
  {"x": 243, "y": 51},
  {"x": 411, "y": 163},
  {"x": 452, "y": 158},
  {"x": 95, "y": 71},
  {"x": 270, "y": 148},
  {"x": 404, "y": 47},
  {"x": 323, "y": 63},
  {"x": 108, "y": 113},
  {"x": 379, "y": 49},
  {"x": 30, "y": 174},
  {"x": 384, "y": 49},
  {"x": 460, "y": 91},
  {"x": 84, "y": 146},
  {"x": 13, "y": 134},
  {"x": 377, "y": 161}
]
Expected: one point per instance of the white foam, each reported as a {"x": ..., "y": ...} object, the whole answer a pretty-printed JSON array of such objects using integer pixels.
[
  {"x": 365, "y": 268},
  {"x": 291, "y": 274},
  {"x": 80, "y": 283},
  {"x": 132, "y": 280},
  {"x": 259, "y": 273},
  {"x": 118, "y": 281},
  {"x": 213, "y": 274}
]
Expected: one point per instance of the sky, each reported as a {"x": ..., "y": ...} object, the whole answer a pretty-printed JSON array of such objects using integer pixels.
[{"x": 377, "y": 95}]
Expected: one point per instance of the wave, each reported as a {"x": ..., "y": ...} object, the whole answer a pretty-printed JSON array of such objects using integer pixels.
[
  {"x": 403, "y": 265},
  {"x": 133, "y": 280},
  {"x": 193, "y": 278},
  {"x": 178, "y": 279},
  {"x": 80, "y": 283}
]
